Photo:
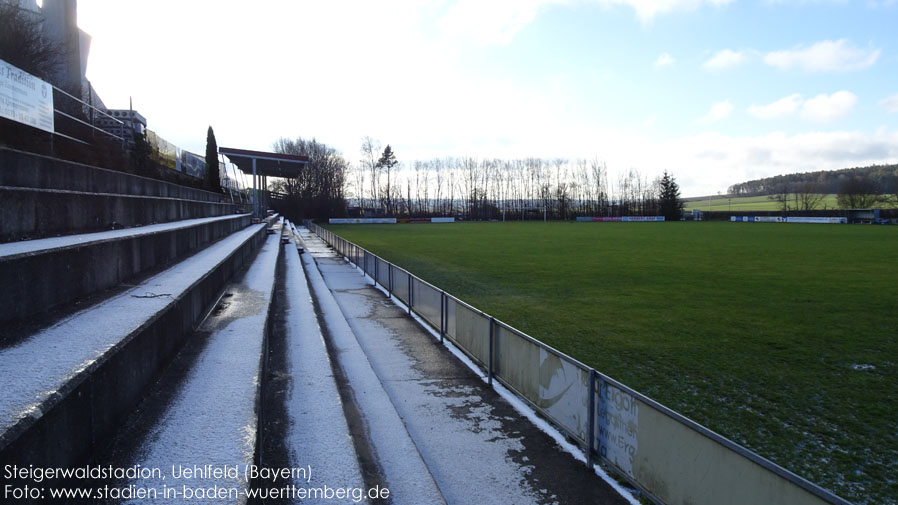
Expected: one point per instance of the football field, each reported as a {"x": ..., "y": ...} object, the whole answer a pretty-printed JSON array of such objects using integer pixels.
[{"x": 781, "y": 337}]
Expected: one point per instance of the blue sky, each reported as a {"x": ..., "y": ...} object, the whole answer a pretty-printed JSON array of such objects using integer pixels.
[{"x": 715, "y": 91}]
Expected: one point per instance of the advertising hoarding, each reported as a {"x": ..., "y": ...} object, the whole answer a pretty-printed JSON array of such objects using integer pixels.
[{"x": 25, "y": 98}]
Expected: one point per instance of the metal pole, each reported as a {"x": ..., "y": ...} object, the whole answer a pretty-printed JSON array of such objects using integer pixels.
[
  {"x": 442, "y": 315},
  {"x": 409, "y": 293},
  {"x": 590, "y": 437},
  {"x": 490, "y": 379},
  {"x": 90, "y": 100},
  {"x": 255, "y": 199},
  {"x": 375, "y": 271},
  {"x": 390, "y": 278}
]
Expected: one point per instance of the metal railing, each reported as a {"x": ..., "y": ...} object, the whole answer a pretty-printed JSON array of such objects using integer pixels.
[
  {"x": 120, "y": 124},
  {"x": 671, "y": 458}
]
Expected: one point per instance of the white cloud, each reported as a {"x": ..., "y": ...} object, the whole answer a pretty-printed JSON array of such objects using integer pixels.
[
  {"x": 498, "y": 21},
  {"x": 726, "y": 58},
  {"x": 825, "y": 56},
  {"x": 646, "y": 10},
  {"x": 490, "y": 21},
  {"x": 824, "y": 108},
  {"x": 664, "y": 60},
  {"x": 781, "y": 108},
  {"x": 890, "y": 103},
  {"x": 719, "y": 110}
]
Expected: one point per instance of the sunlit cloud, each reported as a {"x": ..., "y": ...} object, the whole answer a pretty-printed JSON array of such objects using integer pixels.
[
  {"x": 825, "y": 56},
  {"x": 824, "y": 108},
  {"x": 890, "y": 103},
  {"x": 781, "y": 108},
  {"x": 664, "y": 60},
  {"x": 726, "y": 58},
  {"x": 719, "y": 111},
  {"x": 647, "y": 10}
]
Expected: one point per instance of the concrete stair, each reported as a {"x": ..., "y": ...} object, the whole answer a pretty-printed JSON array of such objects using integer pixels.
[
  {"x": 45, "y": 197},
  {"x": 94, "y": 323},
  {"x": 38, "y": 275},
  {"x": 67, "y": 385}
]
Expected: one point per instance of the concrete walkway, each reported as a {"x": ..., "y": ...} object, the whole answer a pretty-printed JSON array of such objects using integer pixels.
[{"x": 474, "y": 444}]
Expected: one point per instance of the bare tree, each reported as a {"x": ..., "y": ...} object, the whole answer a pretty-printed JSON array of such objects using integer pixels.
[
  {"x": 369, "y": 150},
  {"x": 22, "y": 43},
  {"x": 807, "y": 196},
  {"x": 858, "y": 193},
  {"x": 780, "y": 195},
  {"x": 318, "y": 190}
]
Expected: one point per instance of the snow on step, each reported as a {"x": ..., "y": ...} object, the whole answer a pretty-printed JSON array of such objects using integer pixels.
[
  {"x": 46, "y": 244},
  {"x": 212, "y": 421},
  {"x": 318, "y": 435},
  {"x": 36, "y": 369},
  {"x": 407, "y": 476}
]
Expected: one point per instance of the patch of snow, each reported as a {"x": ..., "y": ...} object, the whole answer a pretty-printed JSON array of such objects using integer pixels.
[
  {"x": 317, "y": 434},
  {"x": 407, "y": 476},
  {"x": 212, "y": 421},
  {"x": 44, "y": 244},
  {"x": 38, "y": 367}
]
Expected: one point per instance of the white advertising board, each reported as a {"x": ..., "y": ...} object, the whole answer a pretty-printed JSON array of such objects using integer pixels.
[
  {"x": 617, "y": 426},
  {"x": 817, "y": 220},
  {"x": 25, "y": 98},
  {"x": 362, "y": 220},
  {"x": 442, "y": 220}
]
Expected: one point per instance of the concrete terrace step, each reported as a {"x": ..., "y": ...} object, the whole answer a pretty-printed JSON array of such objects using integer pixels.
[
  {"x": 320, "y": 436},
  {"x": 66, "y": 386},
  {"x": 407, "y": 475},
  {"x": 28, "y": 170},
  {"x": 204, "y": 409},
  {"x": 39, "y": 274},
  {"x": 29, "y": 213}
]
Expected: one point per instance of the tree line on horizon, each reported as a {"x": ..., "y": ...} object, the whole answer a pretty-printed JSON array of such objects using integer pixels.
[
  {"x": 856, "y": 188},
  {"x": 471, "y": 188}
]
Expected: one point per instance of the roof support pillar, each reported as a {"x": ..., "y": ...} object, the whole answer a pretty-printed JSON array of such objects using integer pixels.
[{"x": 255, "y": 192}]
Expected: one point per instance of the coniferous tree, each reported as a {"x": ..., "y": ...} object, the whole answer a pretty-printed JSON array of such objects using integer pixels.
[
  {"x": 386, "y": 163},
  {"x": 213, "y": 179},
  {"x": 669, "y": 202}
]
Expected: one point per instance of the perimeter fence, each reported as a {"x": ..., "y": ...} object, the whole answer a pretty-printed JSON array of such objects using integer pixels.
[{"x": 671, "y": 458}]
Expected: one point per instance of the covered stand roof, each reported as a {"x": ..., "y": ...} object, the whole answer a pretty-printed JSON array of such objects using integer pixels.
[{"x": 268, "y": 164}]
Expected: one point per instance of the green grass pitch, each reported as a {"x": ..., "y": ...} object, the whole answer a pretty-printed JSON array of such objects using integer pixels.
[{"x": 758, "y": 331}]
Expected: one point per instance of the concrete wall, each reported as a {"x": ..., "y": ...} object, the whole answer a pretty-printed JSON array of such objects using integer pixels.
[{"x": 35, "y": 282}]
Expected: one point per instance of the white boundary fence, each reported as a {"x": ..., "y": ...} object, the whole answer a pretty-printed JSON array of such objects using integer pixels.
[{"x": 673, "y": 459}]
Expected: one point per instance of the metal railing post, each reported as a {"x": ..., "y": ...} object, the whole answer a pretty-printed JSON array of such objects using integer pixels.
[
  {"x": 375, "y": 271},
  {"x": 492, "y": 323},
  {"x": 409, "y": 293},
  {"x": 442, "y": 315},
  {"x": 590, "y": 437},
  {"x": 390, "y": 278}
]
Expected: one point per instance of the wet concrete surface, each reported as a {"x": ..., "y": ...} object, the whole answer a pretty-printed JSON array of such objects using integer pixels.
[
  {"x": 478, "y": 448},
  {"x": 202, "y": 410}
]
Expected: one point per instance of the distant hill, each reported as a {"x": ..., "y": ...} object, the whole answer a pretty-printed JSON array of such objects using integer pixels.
[{"x": 882, "y": 177}]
